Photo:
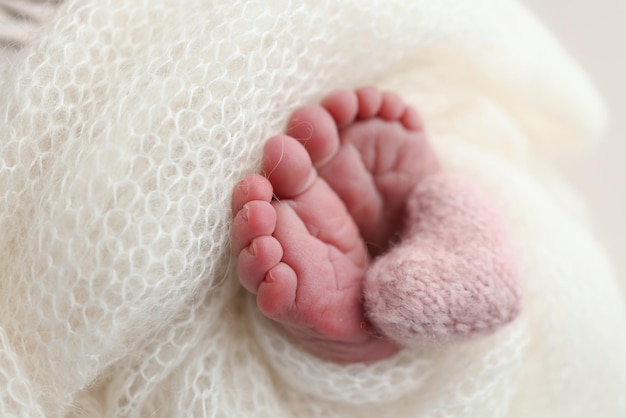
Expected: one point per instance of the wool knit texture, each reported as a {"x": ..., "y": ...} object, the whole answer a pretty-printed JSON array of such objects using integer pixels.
[
  {"x": 125, "y": 124},
  {"x": 453, "y": 275}
]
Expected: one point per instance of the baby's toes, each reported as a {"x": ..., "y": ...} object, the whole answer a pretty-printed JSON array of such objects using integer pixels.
[
  {"x": 392, "y": 107},
  {"x": 252, "y": 187},
  {"x": 370, "y": 100},
  {"x": 252, "y": 242},
  {"x": 388, "y": 106},
  {"x": 256, "y": 260},
  {"x": 316, "y": 130},
  {"x": 277, "y": 294},
  {"x": 255, "y": 219},
  {"x": 288, "y": 166},
  {"x": 411, "y": 120},
  {"x": 343, "y": 106}
]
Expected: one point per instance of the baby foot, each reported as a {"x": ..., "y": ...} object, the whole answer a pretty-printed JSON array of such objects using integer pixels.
[
  {"x": 451, "y": 272},
  {"x": 301, "y": 253},
  {"x": 300, "y": 234},
  {"x": 371, "y": 149}
]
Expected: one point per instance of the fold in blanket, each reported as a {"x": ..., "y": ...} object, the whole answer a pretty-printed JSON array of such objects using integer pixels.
[{"x": 124, "y": 125}]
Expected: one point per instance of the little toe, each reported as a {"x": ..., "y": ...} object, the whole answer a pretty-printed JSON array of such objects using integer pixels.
[
  {"x": 255, "y": 219},
  {"x": 288, "y": 166},
  {"x": 278, "y": 289},
  {"x": 343, "y": 106},
  {"x": 392, "y": 107},
  {"x": 411, "y": 120},
  {"x": 252, "y": 187},
  {"x": 254, "y": 261},
  {"x": 316, "y": 130},
  {"x": 370, "y": 101},
  {"x": 276, "y": 294}
]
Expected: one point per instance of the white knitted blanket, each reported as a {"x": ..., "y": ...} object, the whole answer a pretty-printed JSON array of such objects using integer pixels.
[{"x": 124, "y": 124}]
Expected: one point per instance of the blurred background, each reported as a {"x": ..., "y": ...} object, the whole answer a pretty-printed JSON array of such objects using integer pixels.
[{"x": 595, "y": 35}]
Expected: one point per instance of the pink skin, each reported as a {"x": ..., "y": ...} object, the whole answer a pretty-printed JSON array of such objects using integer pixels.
[{"x": 336, "y": 185}]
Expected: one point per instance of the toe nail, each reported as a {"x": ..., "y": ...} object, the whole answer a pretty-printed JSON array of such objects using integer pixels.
[
  {"x": 244, "y": 186},
  {"x": 243, "y": 213}
]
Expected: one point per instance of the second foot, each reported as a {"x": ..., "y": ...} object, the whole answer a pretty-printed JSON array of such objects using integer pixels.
[{"x": 372, "y": 150}]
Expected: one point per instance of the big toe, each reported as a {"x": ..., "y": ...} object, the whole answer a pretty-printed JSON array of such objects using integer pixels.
[
  {"x": 288, "y": 167},
  {"x": 316, "y": 130}
]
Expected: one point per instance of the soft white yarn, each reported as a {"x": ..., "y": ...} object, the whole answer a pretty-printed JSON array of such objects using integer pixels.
[{"x": 123, "y": 127}]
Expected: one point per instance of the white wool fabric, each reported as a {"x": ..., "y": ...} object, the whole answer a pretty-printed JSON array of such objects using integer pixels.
[{"x": 125, "y": 124}]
